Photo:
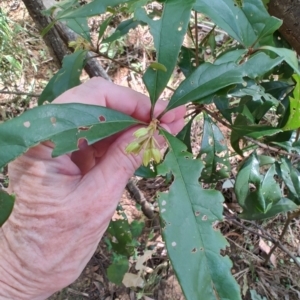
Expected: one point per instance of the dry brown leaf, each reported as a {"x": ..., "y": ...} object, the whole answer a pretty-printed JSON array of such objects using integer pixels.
[{"x": 266, "y": 248}]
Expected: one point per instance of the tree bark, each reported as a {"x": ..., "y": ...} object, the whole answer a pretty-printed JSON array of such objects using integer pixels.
[
  {"x": 289, "y": 12},
  {"x": 59, "y": 36}
]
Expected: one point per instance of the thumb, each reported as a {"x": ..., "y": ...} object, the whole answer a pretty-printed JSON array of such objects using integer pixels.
[{"x": 116, "y": 166}]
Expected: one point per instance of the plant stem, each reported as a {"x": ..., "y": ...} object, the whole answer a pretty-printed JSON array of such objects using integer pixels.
[{"x": 196, "y": 40}]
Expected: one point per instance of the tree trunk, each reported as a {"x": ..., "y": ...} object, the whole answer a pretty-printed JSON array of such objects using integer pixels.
[
  {"x": 59, "y": 36},
  {"x": 289, "y": 12}
]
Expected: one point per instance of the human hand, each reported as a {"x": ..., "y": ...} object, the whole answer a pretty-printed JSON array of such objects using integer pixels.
[{"x": 64, "y": 204}]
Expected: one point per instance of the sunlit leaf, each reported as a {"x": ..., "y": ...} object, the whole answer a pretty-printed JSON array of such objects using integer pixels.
[
  {"x": 188, "y": 213},
  {"x": 66, "y": 78},
  {"x": 294, "y": 117},
  {"x": 168, "y": 33},
  {"x": 248, "y": 23},
  {"x": 64, "y": 124}
]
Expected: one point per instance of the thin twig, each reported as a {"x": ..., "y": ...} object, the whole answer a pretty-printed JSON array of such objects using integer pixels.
[
  {"x": 266, "y": 236},
  {"x": 260, "y": 144},
  {"x": 196, "y": 39},
  {"x": 20, "y": 93},
  {"x": 291, "y": 216}
]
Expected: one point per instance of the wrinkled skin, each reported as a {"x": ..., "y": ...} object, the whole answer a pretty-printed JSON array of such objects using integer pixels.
[{"x": 64, "y": 204}]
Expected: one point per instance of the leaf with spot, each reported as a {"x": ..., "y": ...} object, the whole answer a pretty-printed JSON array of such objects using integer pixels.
[
  {"x": 63, "y": 124},
  {"x": 294, "y": 117},
  {"x": 168, "y": 33},
  {"x": 208, "y": 78},
  {"x": 213, "y": 153},
  {"x": 187, "y": 214},
  {"x": 66, "y": 78},
  {"x": 249, "y": 22},
  {"x": 6, "y": 206}
]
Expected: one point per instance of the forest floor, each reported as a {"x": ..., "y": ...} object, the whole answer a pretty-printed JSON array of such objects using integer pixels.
[{"x": 278, "y": 280}]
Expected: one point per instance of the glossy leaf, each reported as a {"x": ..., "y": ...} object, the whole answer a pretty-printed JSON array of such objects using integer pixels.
[
  {"x": 188, "y": 213},
  {"x": 213, "y": 153},
  {"x": 294, "y": 117},
  {"x": 208, "y": 78},
  {"x": 258, "y": 195},
  {"x": 291, "y": 178},
  {"x": 248, "y": 23},
  {"x": 289, "y": 56},
  {"x": 145, "y": 172},
  {"x": 6, "y": 206},
  {"x": 123, "y": 29},
  {"x": 185, "y": 135},
  {"x": 244, "y": 126},
  {"x": 283, "y": 205},
  {"x": 187, "y": 61},
  {"x": 168, "y": 33},
  {"x": 66, "y": 78},
  {"x": 64, "y": 124},
  {"x": 103, "y": 27}
]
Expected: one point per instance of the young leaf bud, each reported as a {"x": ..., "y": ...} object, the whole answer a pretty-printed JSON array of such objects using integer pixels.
[
  {"x": 156, "y": 155},
  {"x": 133, "y": 147},
  {"x": 141, "y": 132},
  {"x": 147, "y": 157}
]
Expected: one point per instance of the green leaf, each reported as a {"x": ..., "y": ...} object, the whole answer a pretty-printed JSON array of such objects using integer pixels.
[
  {"x": 80, "y": 26},
  {"x": 208, "y": 78},
  {"x": 168, "y": 33},
  {"x": 94, "y": 8},
  {"x": 145, "y": 172},
  {"x": 258, "y": 194},
  {"x": 289, "y": 56},
  {"x": 103, "y": 27},
  {"x": 187, "y": 61},
  {"x": 123, "y": 29},
  {"x": 291, "y": 178},
  {"x": 66, "y": 78},
  {"x": 64, "y": 124},
  {"x": 213, "y": 153},
  {"x": 136, "y": 228},
  {"x": 6, "y": 206},
  {"x": 188, "y": 213},
  {"x": 248, "y": 23},
  {"x": 117, "y": 270},
  {"x": 121, "y": 241},
  {"x": 185, "y": 134},
  {"x": 283, "y": 205},
  {"x": 294, "y": 117}
]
